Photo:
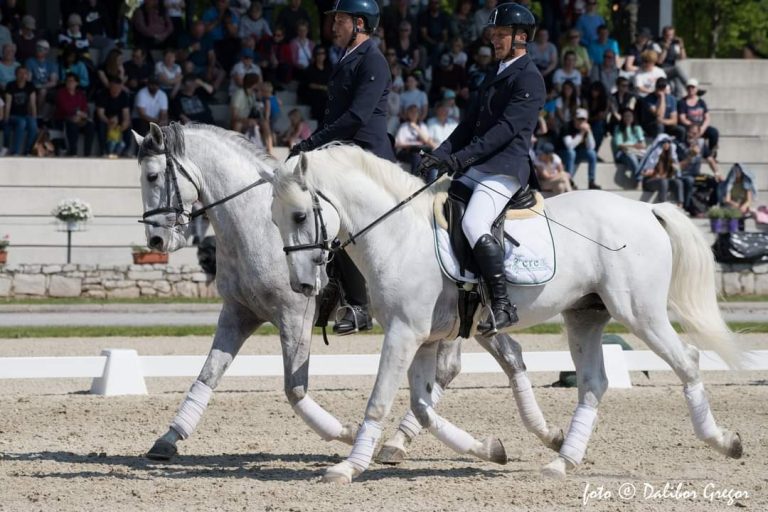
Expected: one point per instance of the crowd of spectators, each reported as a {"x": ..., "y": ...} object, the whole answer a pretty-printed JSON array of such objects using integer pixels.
[{"x": 238, "y": 52}]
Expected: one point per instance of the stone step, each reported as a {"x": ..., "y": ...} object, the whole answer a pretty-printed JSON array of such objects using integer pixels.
[
  {"x": 731, "y": 72},
  {"x": 740, "y": 99},
  {"x": 69, "y": 172},
  {"x": 25, "y": 201},
  {"x": 97, "y": 255},
  {"x": 742, "y": 124},
  {"x": 743, "y": 149}
]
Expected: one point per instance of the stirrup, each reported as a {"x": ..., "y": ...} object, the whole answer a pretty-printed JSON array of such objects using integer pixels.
[
  {"x": 355, "y": 321},
  {"x": 492, "y": 331}
]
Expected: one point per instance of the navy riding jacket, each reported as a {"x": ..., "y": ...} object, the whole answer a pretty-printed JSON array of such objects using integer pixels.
[
  {"x": 357, "y": 102},
  {"x": 495, "y": 136}
]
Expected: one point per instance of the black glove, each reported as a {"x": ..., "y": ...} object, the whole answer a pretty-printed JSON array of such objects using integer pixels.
[
  {"x": 450, "y": 166},
  {"x": 301, "y": 147},
  {"x": 428, "y": 161}
]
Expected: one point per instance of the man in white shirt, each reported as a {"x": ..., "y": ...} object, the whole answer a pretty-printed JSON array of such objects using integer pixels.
[
  {"x": 244, "y": 66},
  {"x": 151, "y": 106}
]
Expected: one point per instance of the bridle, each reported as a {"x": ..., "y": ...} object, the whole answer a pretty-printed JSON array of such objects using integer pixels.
[
  {"x": 321, "y": 231},
  {"x": 172, "y": 182}
]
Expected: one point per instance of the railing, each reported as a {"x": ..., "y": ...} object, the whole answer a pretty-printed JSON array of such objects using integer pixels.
[{"x": 122, "y": 371}]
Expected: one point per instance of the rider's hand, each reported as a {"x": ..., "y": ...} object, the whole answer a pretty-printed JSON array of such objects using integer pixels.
[
  {"x": 301, "y": 147},
  {"x": 428, "y": 161},
  {"x": 451, "y": 166}
]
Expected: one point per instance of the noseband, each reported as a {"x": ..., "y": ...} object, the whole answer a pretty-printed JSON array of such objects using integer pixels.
[{"x": 321, "y": 232}]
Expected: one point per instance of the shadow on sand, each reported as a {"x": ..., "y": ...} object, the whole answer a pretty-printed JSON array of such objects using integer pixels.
[{"x": 257, "y": 466}]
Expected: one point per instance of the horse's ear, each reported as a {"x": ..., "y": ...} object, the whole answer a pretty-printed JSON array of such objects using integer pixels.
[
  {"x": 157, "y": 134},
  {"x": 300, "y": 171},
  {"x": 138, "y": 138}
]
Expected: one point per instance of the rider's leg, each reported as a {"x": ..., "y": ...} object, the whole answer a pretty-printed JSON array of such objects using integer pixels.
[
  {"x": 356, "y": 316},
  {"x": 489, "y": 199}
]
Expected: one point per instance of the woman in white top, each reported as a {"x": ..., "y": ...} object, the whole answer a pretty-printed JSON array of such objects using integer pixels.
[
  {"x": 169, "y": 73},
  {"x": 412, "y": 137},
  {"x": 550, "y": 171}
]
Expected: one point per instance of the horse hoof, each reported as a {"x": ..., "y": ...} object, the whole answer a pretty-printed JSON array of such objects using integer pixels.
[
  {"x": 162, "y": 450},
  {"x": 737, "y": 449},
  {"x": 555, "y": 442},
  {"x": 494, "y": 451},
  {"x": 349, "y": 433},
  {"x": 555, "y": 470},
  {"x": 390, "y": 454},
  {"x": 341, "y": 473}
]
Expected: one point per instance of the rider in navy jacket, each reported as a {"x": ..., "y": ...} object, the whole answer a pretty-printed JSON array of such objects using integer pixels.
[
  {"x": 489, "y": 151},
  {"x": 356, "y": 112},
  {"x": 357, "y": 96}
]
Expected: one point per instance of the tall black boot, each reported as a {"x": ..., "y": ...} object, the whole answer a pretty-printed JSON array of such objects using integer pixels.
[
  {"x": 355, "y": 315},
  {"x": 489, "y": 256}
]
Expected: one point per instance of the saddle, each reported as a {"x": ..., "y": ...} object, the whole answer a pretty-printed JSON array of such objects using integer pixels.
[{"x": 449, "y": 210}]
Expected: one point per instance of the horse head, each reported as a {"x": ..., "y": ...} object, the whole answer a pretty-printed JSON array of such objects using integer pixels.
[
  {"x": 308, "y": 223},
  {"x": 168, "y": 190}
]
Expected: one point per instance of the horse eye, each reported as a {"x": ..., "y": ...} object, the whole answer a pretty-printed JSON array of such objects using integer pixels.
[
  {"x": 152, "y": 177},
  {"x": 299, "y": 217}
]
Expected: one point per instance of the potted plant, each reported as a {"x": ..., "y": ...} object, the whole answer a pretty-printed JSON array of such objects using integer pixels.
[
  {"x": 733, "y": 218},
  {"x": 4, "y": 243},
  {"x": 143, "y": 255},
  {"x": 74, "y": 213},
  {"x": 716, "y": 217}
]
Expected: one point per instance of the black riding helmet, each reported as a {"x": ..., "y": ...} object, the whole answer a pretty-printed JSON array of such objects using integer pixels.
[
  {"x": 515, "y": 16},
  {"x": 366, "y": 9}
]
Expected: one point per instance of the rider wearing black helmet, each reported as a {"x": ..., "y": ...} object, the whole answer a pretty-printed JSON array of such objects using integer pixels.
[
  {"x": 489, "y": 150},
  {"x": 356, "y": 112}
]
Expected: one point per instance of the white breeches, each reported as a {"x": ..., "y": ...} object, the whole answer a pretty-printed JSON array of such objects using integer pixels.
[{"x": 489, "y": 198}]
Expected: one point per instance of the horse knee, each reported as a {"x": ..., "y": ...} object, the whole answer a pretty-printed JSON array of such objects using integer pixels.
[
  {"x": 295, "y": 393},
  {"x": 448, "y": 371},
  {"x": 592, "y": 389}
]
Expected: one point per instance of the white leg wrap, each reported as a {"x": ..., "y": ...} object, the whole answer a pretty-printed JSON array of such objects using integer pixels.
[
  {"x": 365, "y": 442},
  {"x": 575, "y": 444},
  {"x": 192, "y": 409},
  {"x": 409, "y": 425},
  {"x": 318, "y": 419},
  {"x": 701, "y": 415},
  {"x": 451, "y": 435},
  {"x": 530, "y": 413}
]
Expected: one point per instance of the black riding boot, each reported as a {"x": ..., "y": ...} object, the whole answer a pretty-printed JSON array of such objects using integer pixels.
[
  {"x": 355, "y": 312},
  {"x": 489, "y": 256}
]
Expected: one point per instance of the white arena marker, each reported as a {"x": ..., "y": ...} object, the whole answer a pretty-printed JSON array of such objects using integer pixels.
[
  {"x": 122, "y": 375},
  {"x": 616, "y": 368}
]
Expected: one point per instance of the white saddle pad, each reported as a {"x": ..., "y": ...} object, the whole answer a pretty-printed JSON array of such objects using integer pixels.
[{"x": 532, "y": 263}]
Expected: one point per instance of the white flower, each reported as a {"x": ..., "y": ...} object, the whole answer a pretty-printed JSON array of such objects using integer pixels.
[{"x": 72, "y": 210}]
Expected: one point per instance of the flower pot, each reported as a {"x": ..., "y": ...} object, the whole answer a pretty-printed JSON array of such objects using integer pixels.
[
  {"x": 148, "y": 258},
  {"x": 733, "y": 225},
  {"x": 3, "y": 257},
  {"x": 717, "y": 225}
]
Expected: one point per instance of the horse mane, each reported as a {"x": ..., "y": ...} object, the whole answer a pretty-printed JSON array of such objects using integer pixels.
[
  {"x": 175, "y": 143},
  {"x": 388, "y": 176}
]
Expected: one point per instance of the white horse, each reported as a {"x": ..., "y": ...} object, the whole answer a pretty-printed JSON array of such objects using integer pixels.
[
  {"x": 666, "y": 261},
  {"x": 180, "y": 165}
]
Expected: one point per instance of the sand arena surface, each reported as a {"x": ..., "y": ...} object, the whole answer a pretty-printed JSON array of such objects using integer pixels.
[{"x": 62, "y": 449}]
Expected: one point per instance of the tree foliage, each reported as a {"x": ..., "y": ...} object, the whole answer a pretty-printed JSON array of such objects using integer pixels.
[{"x": 721, "y": 28}]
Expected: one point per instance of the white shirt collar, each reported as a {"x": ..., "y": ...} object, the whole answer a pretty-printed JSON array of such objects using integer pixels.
[
  {"x": 350, "y": 51},
  {"x": 504, "y": 65}
]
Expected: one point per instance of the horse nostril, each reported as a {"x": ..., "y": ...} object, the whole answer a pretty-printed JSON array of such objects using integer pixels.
[
  {"x": 307, "y": 289},
  {"x": 156, "y": 242}
]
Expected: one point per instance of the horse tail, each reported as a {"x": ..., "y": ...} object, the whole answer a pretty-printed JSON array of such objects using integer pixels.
[{"x": 692, "y": 292}]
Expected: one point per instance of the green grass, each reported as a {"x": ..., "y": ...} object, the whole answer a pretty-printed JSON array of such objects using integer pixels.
[{"x": 265, "y": 330}]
